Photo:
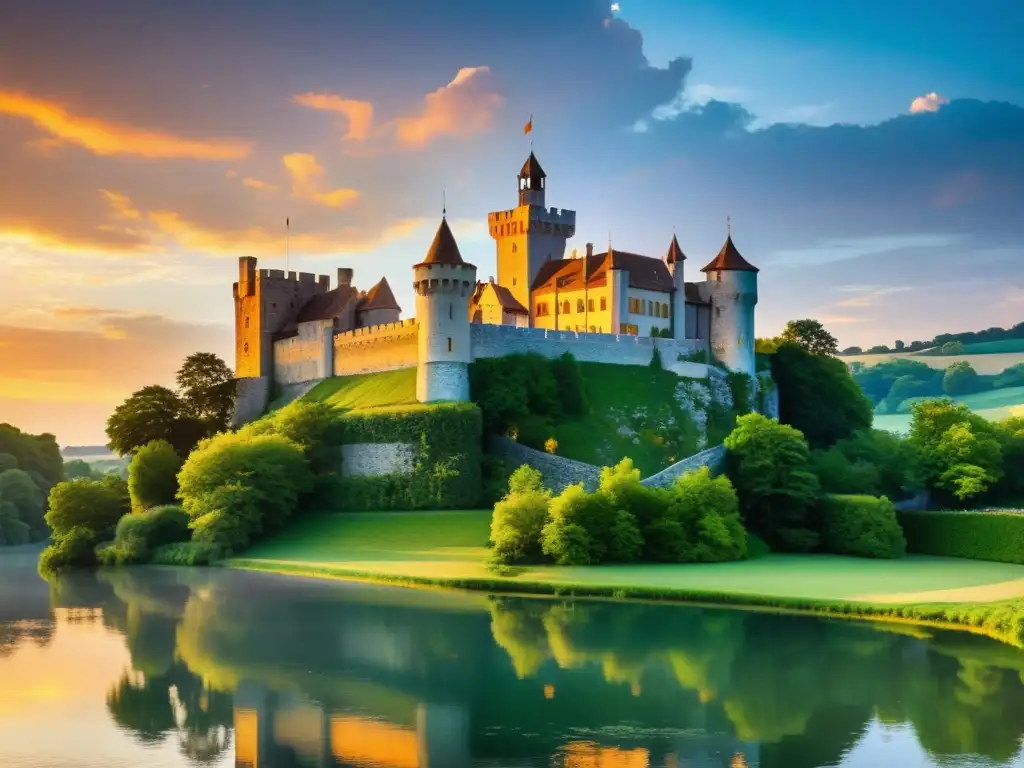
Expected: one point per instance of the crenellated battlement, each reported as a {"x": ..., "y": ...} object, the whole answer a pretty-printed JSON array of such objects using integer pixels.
[
  {"x": 376, "y": 330},
  {"x": 323, "y": 282}
]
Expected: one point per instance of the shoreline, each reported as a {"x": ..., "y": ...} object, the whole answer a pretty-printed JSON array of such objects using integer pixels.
[{"x": 1003, "y": 621}]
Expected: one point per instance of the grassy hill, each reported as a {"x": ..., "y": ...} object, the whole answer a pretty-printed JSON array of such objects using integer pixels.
[
  {"x": 995, "y": 405},
  {"x": 988, "y": 364},
  {"x": 983, "y": 348},
  {"x": 367, "y": 390}
]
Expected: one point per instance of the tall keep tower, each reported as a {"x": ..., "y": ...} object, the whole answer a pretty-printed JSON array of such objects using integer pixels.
[
  {"x": 731, "y": 288},
  {"x": 529, "y": 234},
  {"x": 443, "y": 283}
]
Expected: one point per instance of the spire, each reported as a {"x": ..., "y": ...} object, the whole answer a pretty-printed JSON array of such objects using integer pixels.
[
  {"x": 675, "y": 253},
  {"x": 380, "y": 297},
  {"x": 444, "y": 249},
  {"x": 729, "y": 258},
  {"x": 531, "y": 168}
]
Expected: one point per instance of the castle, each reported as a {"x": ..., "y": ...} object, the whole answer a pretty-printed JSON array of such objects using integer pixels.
[{"x": 614, "y": 307}]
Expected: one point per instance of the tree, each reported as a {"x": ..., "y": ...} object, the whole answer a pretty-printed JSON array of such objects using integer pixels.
[
  {"x": 7, "y": 461},
  {"x": 852, "y": 351},
  {"x": 898, "y": 345},
  {"x": 82, "y": 514},
  {"x": 811, "y": 335},
  {"x": 818, "y": 396},
  {"x": 33, "y": 453},
  {"x": 77, "y": 468},
  {"x": 960, "y": 379},
  {"x": 207, "y": 390},
  {"x": 879, "y": 349},
  {"x": 952, "y": 348},
  {"x": 769, "y": 465},
  {"x": 152, "y": 475},
  {"x": 152, "y": 413}
]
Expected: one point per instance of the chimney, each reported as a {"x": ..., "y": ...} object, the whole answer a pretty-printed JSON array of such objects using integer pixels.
[
  {"x": 590, "y": 249},
  {"x": 344, "y": 276}
]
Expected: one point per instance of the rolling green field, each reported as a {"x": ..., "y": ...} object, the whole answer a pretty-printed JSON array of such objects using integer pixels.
[
  {"x": 986, "y": 347},
  {"x": 367, "y": 390},
  {"x": 452, "y": 546},
  {"x": 988, "y": 364},
  {"x": 995, "y": 405}
]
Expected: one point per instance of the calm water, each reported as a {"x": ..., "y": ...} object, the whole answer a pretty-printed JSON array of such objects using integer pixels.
[{"x": 167, "y": 667}]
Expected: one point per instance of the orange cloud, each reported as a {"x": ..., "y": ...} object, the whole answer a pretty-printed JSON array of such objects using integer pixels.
[
  {"x": 358, "y": 113},
  {"x": 122, "y": 206},
  {"x": 257, "y": 184},
  {"x": 306, "y": 173},
  {"x": 930, "y": 102},
  {"x": 108, "y": 139},
  {"x": 462, "y": 108}
]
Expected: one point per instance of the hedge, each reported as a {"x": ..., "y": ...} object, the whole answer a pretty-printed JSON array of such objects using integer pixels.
[
  {"x": 996, "y": 536},
  {"x": 446, "y": 473},
  {"x": 862, "y": 526}
]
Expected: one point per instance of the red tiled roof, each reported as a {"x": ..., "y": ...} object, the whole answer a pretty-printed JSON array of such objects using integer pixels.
[
  {"x": 325, "y": 306},
  {"x": 675, "y": 253},
  {"x": 729, "y": 259},
  {"x": 645, "y": 272},
  {"x": 380, "y": 297}
]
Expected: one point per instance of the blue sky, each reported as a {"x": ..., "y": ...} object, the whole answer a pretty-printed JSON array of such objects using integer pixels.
[{"x": 147, "y": 145}]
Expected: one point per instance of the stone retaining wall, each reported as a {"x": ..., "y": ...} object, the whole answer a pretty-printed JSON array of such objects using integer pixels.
[
  {"x": 374, "y": 459},
  {"x": 713, "y": 458}
]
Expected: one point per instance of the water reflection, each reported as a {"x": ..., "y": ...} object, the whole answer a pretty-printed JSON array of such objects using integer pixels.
[{"x": 223, "y": 668}]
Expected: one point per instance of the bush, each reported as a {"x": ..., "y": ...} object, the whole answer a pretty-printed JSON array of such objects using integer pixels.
[
  {"x": 579, "y": 528},
  {"x": 863, "y": 526},
  {"x": 519, "y": 518},
  {"x": 237, "y": 488},
  {"x": 187, "y": 553},
  {"x": 509, "y": 388},
  {"x": 77, "y": 548},
  {"x": 138, "y": 534},
  {"x": 446, "y": 470},
  {"x": 313, "y": 425},
  {"x": 741, "y": 387},
  {"x": 12, "y": 530},
  {"x": 82, "y": 514},
  {"x": 996, "y": 536},
  {"x": 153, "y": 475},
  {"x": 708, "y": 512},
  {"x": 569, "y": 379},
  {"x": 769, "y": 465}
]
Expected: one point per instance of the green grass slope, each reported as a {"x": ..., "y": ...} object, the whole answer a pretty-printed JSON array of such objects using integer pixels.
[
  {"x": 982, "y": 348},
  {"x": 990, "y": 363},
  {"x": 994, "y": 405},
  {"x": 367, "y": 390},
  {"x": 635, "y": 412}
]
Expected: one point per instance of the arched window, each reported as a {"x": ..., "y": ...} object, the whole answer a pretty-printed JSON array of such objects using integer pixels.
[
  {"x": 515, "y": 248},
  {"x": 449, "y": 343},
  {"x": 566, "y": 309},
  {"x": 245, "y": 347}
]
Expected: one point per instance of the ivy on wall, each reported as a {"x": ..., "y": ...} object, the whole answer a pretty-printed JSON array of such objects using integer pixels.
[{"x": 446, "y": 470}]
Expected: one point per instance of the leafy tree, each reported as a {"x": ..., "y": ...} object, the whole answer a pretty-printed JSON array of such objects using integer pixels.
[
  {"x": 708, "y": 511},
  {"x": 852, "y": 351},
  {"x": 19, "y": 489},
  {"x": 899, "y": 345},
  {"x": 960, "y": 379},
  {"x": 769, "y": 465},
  {"x": 34, "y": 453},
  {"x": 952, "y": 348},
  {"x": 82, "y": 514},
  {"x": 811, "y": 335},
  {"x": 878, "y": 349},
  {"x": 76, "y": 468},
  {"x": 878, "y": 380},
  {"x": 1011, "y": 377},
  {"x": 153, "y": 475},
  {"x": 960, "y": 451},
  {"x": 577, "y": 530},
  {"x": 152, "y": 413},
  {"x": 207, "y": 390},
  {"x": 519, "y": 518},
  {"x": 765, "y": 346},
  {"x": 818, "y": 396},
  {"x": 569, "y": 379},
  {"x": 7, "y": 461},
  {"x": 1011, "y": 438}
]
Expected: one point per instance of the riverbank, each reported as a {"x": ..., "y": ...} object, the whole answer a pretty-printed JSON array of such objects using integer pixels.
[{"x": 448, "y": 549}]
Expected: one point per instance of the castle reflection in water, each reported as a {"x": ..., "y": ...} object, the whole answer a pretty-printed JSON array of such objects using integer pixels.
[{"x": 266, "y": 672}]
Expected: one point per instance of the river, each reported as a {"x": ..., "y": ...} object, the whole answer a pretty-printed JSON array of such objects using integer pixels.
[{"x": 164, "y": 667}]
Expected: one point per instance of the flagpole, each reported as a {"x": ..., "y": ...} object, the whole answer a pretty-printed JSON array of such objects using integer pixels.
[{"x": 287, "y": 244}]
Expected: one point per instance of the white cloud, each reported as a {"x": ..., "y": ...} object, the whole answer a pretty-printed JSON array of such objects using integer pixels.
[
  {"x": 833, "y": 250},
  {"x": 930, "y": 102}
]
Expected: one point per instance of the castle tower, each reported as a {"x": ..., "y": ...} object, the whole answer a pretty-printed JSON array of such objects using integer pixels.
[
  {"x": 529, "y": 235},
  {"x": 443, "y": 283},
  {"x": 732, "y": 290},
  {"x": 674, "y": 260}
]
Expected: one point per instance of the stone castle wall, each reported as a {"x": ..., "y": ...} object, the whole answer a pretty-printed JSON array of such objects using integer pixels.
[
  {"x": 305, "y": 356},
  {"x": 501, "y": 340},
  {"x": 375, "y": 349},
  {"x": 252, "y": 395}
]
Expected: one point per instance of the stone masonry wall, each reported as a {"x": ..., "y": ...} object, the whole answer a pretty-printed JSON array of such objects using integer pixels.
[
  {"x": 305, "y": 356},
  {"x": 252, "y": 393},
  {"x": 501, "y": 340},
  {"x": 362, "y": 459},
  {"x": 712, "y": 458},
  {"x": 376, "y": 348},
  {"x": 558, "y": 471}
]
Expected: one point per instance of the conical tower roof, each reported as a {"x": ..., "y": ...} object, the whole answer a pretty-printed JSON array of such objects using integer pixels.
[
  {"x": 729, "y": 258},
  {"x": 531, "y": 168},
  {"x": 380, "y": 297},
  {"x": 444, "y": 249},
  {"x": 675, "y": 253}
]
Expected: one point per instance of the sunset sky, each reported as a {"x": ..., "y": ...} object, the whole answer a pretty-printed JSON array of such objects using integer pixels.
[{"x": 871, "y": 155}]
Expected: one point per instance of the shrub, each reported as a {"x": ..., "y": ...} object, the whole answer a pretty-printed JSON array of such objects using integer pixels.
[
  {"x": 579, "y": 528},
  {"x": 520, "y": 517},
  {"x": 655, "y": 363},
  {"x": 446, "y": 470},
  {"x": 769, "y": 465},
  {"x": 512, "y": 387},
  {"x": 82, "y": 514},
  {"x": 236, "y": 487},
  {"x": 621, "y": 484},
  {"x": 740, "y": 385},
  {"x": 12, "y": 530},
  {"x": 708, "y": 512},
  {"x": 864, "y": 526},
  {"x": 186, "y": 553},
  {"x": 996, "y": 536},
  {"x": 960, "y": 379},
  {"x": 313, "y": 425},
  {"x": 153, "y": 475},
  {"x": 76, "y": 548},
  {"x": 138, "y": 534}
]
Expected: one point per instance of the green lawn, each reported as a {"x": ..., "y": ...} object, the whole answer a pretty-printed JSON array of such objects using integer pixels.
[
  {"x": 632, "y": 410},
  {"x": 452, "y": 546},
  {"x": 367, "y": 390}
]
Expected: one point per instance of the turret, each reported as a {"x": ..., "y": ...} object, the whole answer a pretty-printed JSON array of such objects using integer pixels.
[
  {"x": 674, "y": 261},
  {"x": 732, "y": 288},
  {"x": 531, "y": 182},
  {"x": 443, "y": 283}
]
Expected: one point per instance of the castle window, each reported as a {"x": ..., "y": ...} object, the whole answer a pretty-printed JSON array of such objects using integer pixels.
[
  {"x": 590, "y": 305},
  {"x": 579, "y": 306},
  {"x": 718, "y": 310},
  {"x": 604, "y": 304},
  {"x": 515, "y": 248},
  {"x": 542, "y": 309},
  {"x": 513, "y": 279},
  {"x": 449, "y": 343},
  {"x": 450, "y": 311},
  {"x": 566, "y": 308},
  {"x": 245, "y": 347},
  {"x": 650, "y": 307},
  {"x": 247, "y": 322}
]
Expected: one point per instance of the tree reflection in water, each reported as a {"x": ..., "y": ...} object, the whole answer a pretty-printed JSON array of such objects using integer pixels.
[{"x": 326, "y": 674}]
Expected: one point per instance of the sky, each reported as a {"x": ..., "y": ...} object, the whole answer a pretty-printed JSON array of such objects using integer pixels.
[{"x": 870, "y": 155}]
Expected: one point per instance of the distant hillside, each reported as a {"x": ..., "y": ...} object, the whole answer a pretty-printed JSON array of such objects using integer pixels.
[
  {"x": 988, "y": 341},
  {"x": 78, "y": 451}
]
